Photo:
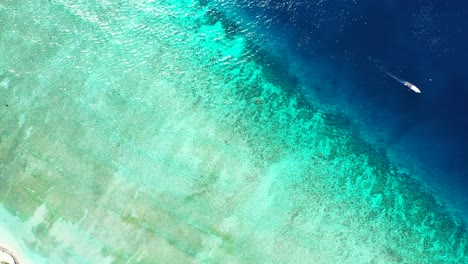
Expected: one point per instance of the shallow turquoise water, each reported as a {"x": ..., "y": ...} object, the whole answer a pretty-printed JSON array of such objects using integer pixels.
[{"x": 154, "y": 132}]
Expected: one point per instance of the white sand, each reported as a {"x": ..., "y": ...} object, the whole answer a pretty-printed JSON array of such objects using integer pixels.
[
  {"x": 8, "y": 242},
  {"x": 10, "y": 238},
  {"x": 6, "y": 257}
]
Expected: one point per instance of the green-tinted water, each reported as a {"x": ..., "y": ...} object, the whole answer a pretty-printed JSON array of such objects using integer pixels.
[{"x": 144, "y": 132}]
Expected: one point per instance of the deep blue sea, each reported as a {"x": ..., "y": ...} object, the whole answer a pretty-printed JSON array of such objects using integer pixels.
[{"x": 353, "y": 43}]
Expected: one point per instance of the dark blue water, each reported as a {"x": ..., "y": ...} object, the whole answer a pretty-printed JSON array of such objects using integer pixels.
[{"x": 355, "y": 42}]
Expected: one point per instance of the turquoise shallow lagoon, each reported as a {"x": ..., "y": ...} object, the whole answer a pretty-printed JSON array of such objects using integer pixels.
[{"x": 159, "y": 132}]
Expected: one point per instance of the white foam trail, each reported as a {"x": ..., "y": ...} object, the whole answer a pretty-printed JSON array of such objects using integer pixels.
[{"x": 396, "y": 78}]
